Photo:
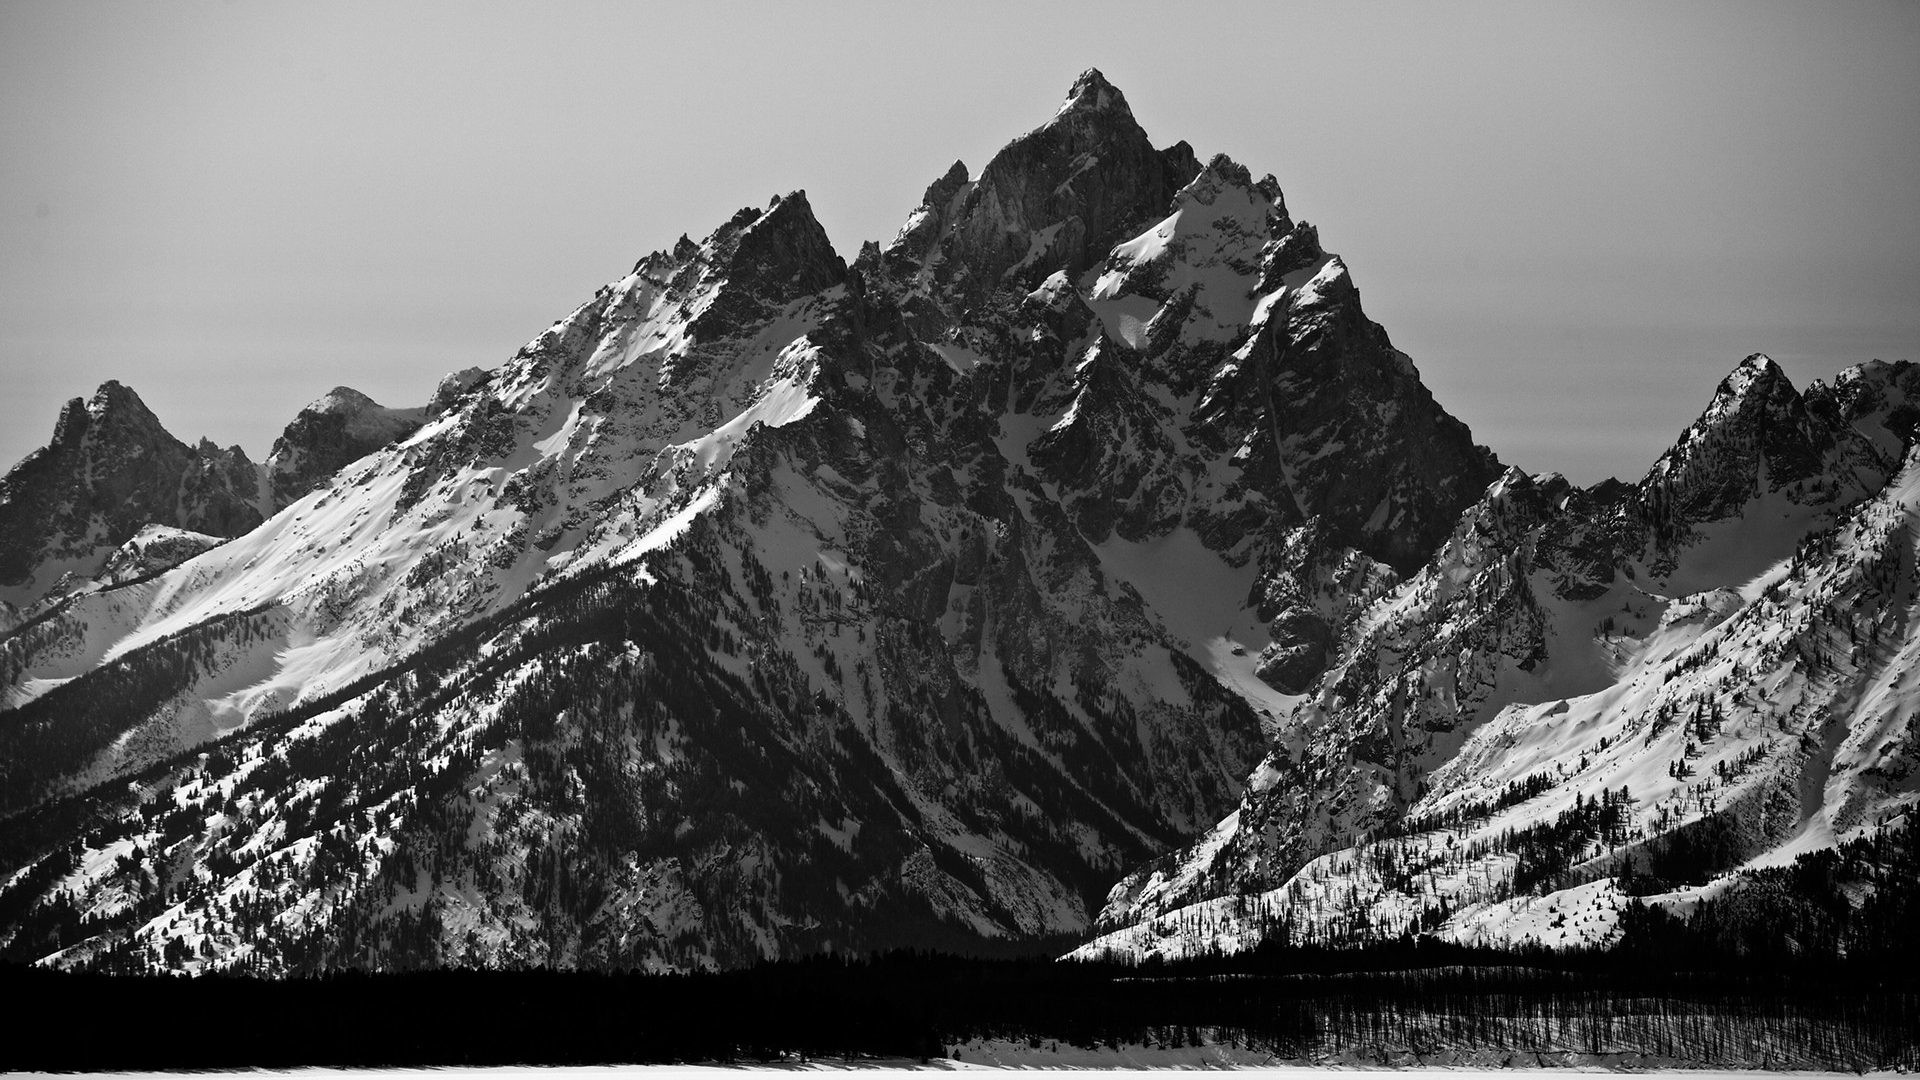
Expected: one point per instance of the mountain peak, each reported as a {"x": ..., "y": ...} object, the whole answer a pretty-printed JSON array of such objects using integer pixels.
[
  {"x": 781, "y": 254},
  {"x": 452, "y": 386},
  {"x": 342, "y": 399},
  {"x": 1758, "y": 434},
  {"x": 1055, "y": 198},
  {"x": 340, "y": 426},
  {"x": 1092, "y": 93},
  {"x": 1757, "y": 367},
  {"x": 114, "y": 404},
  {"x": 1756, "y": 378},
  {"x": 117, "y": 400},
  {"x": 72, "y": 424}
]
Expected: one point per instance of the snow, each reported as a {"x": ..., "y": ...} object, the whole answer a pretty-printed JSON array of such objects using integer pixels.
[
  {"x": 1581, "y": 917},
  {"x": 343, "y": 571},
  {"x": 783, "y": 402},
  {"x": 958, "y": 357},
  {"x": 1208, "y": 247},
  {"x": 1126, "y": 318},
  {"x": 1745, "y": 550},
  {"x": 1201, "y": 600},
  {"x": 1588, "y": 720}
]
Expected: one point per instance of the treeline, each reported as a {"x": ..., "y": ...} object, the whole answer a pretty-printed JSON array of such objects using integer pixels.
[{"x": 1399, "y": 1003}]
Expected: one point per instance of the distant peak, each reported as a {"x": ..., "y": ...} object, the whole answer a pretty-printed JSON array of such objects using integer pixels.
[
  {"x": 113, "y": 391},
  {"x": 1758, "y": 369},
  {"x": 1228, "y": 169},
  {"x": 117, "y": 400},
  {"x": 1092, "y": 93},
  {"x": 343, "y": 399},
  {"x": 793, "y": 202},
  {"x": 1221, "y": 173},
  {"x": 781, "y": 210},
  {"x": 783, "y": 252},
  {"x": 113, "y": 408}
]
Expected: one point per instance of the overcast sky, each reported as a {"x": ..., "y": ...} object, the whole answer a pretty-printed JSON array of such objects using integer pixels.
[{"x": 1575, "y": 218}]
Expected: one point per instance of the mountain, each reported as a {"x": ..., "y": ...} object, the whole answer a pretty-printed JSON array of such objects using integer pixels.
[
  {"x": 341, "y": 427},
  {"x": 762, "y": 605},
  {"x": 1085, "y": 532},
  {"x": 1663, "y": 691},
  {"x": 111, "y": 469},
  {"x": 112, "y": 495}
]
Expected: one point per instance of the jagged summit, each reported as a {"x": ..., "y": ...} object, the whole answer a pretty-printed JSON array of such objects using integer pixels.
[
  {"x": 114, "y": 396},
  {"x": 1056, "y": 198},
  {"x": 1757, "y": 436},
  {"x": 1092, "y": 93},
  {"x": 110, "y": 468},
  {"x": 1756, "y": 375},
  {"x": 452, "y": 386},
  {"x": 786, "y": 250},
  {"x": 114, "y": 404},
  {"x": 1051, "y": 508}
]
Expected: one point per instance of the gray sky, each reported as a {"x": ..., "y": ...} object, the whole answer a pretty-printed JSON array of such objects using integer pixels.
[{"x": 1576, "y": 218}]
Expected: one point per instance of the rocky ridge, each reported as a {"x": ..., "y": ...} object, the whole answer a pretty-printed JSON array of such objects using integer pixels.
[{"x": 1670, "y": 652}]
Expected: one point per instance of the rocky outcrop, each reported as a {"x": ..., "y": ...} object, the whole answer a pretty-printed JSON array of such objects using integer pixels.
[{"x": 341, "y": 427}]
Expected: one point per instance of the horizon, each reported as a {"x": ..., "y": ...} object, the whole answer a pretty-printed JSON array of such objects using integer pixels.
[{"x": 214, "y": 206}]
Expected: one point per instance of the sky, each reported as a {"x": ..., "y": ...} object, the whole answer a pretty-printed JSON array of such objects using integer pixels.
[{"x": 1575, "y": 218}]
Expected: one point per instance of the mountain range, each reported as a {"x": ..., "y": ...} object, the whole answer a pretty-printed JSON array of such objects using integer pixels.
[{"x": 1082, "y": 569}]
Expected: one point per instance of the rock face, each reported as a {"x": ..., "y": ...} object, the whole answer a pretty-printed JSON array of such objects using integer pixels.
[
  {"x": 342, "y": 427},
  {"x": 1055, "y": 199},
  {"x": 110, "y": 469},
  {"x": 1758, "y": 436},
  {"x": 153, "y": 549},
  {"x": 765, "y": 604}
]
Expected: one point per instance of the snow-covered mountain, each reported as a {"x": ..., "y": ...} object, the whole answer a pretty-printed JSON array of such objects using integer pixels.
[
  {"x": 110, "y": 469},
  {"x": 343, "y": 426},
  {"x": 111, "y": 496},
  {"x": 1586, "y": 694},
  {"x": 766, "y": 604}
]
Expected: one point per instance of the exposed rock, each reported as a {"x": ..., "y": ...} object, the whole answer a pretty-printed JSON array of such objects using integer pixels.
[{"x": 341, "y": 427}]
